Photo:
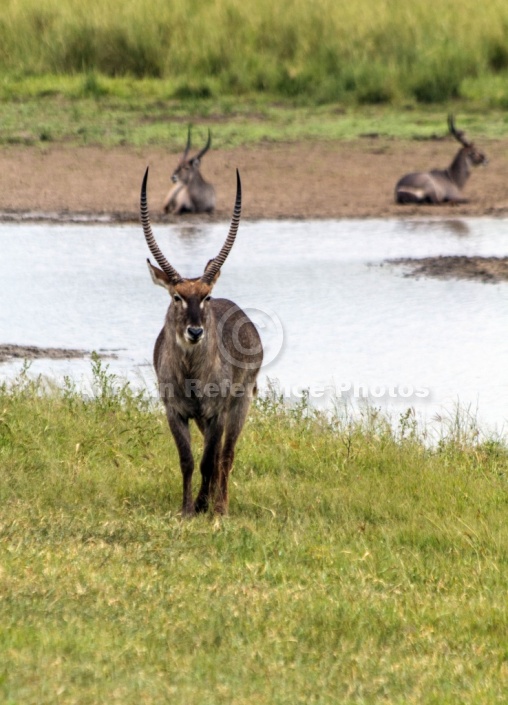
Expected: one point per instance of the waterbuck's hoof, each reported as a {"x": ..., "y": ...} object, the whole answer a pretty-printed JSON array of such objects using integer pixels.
[
  {"x": 201, "y": 505},
  {"x": 221, "y": 508},
  {"x": 188, "y": 512}
]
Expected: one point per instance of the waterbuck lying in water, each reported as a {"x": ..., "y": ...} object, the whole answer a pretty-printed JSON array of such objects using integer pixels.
[
  {"x": 441, "y": 185},
  {"x": 207, "y": 357},
  {"x": 190, "y": 193}
]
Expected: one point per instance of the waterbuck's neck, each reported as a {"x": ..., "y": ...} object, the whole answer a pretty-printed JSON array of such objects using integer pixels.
[
  {"x": 197, "y": 180},
  {"x": 459, "y": 169}
]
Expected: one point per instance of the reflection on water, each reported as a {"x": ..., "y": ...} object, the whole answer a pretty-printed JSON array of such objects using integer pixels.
[
  {"x": 451, "y": 225},
  {"x": 332, "y": 321}
]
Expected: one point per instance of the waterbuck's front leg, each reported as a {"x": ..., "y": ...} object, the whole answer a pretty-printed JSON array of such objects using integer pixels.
[
  {"x": 178, "y": 200},
  {"x": 212, "y": 430},
  {"x": 180, "y": 429}
]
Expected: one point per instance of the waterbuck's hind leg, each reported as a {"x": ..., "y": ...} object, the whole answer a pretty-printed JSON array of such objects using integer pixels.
[
  {"x": 181, "y": 434},
  {"x": 408, "y": 195},
  {"x": 234, "y": 424}
]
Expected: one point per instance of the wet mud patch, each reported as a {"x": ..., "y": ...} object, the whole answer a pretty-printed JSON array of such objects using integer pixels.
[
  {"x": 10, "y": 352},
  {"x": 489, "y": 270}
]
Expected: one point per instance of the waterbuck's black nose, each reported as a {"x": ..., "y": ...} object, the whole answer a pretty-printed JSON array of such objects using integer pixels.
[{"x": 194, "y": 333}]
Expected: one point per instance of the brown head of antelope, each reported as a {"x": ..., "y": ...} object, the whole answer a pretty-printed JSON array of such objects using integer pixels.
[
  {"x": 442, "y": 185},
  {"x": 190, "y": 192},
  {"x": 207, "y": 357}
]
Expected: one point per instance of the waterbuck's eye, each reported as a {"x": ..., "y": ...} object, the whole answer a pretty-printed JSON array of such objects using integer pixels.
[
  {"x": 177, "y": 298},
  {"x": 207, "y": 298}
]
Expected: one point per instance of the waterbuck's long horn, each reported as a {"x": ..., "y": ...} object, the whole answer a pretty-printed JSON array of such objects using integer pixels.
[
  {"x": 172, "y": 274},
  {"x": 206, "y": 147},
  {"x": 215, "y": 265},
  {"x": 458, "y": 134},
  {"x": 188, "y": 145}
]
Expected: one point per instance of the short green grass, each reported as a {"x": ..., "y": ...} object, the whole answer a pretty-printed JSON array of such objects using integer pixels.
[
  {"x": 359, "y": 563},
  {"x": 128, "y": 117}
]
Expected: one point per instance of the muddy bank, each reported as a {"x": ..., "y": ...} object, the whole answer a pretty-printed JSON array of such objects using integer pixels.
[
  {"x": 295, "y": 180},
  {"x": 32, "y": 352},
  {"x": 490, "y": 270}
]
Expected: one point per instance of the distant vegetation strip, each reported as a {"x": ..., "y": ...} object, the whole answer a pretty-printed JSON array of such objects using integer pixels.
[{"x": 369, "y": 51}]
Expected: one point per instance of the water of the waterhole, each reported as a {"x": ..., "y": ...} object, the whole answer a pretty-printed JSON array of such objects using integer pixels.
[{"x": 337, "y": 324}]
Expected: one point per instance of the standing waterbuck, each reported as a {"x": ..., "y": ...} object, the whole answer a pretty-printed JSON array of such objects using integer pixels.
[
  {"x": 441, "y": 185},
  {"x": 190, "y": 193},
  {"x": 207, "y": 357}
]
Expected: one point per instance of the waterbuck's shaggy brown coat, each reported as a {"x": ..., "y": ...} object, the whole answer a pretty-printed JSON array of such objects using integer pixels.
[
  {"x": 190, "y": 193},
  {"x": 441, "y": 185},
  {"x": 207, "y": 358}
]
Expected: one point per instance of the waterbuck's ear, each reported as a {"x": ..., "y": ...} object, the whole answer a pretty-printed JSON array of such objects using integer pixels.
[
  {"x": 214, "y": 280},
  {"x": 158, "y": 276}
]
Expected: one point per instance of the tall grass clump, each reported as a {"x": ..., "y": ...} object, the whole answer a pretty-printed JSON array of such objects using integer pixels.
[
  {"x": 359, "y": 563},
  {"x": 321, "y": 50}
]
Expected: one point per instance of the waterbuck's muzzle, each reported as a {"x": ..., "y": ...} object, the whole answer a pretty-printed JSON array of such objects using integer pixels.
[{"x": 194, "y": 334}]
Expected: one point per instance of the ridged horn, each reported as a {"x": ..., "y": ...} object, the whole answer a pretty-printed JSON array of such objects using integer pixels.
[
  {"x": 172, "y": 274},
  {"x": 206, "y": 147},
  {"x": 218, "y": 261},
  {"x": 458, "y": 134},
  {"x": 187, "y": 146}
]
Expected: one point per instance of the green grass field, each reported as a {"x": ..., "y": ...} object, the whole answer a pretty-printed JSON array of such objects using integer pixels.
[
  {"x": 367, "y": 52},
  {"x": 135, "y": 72},
  {"x": 43, "y": 121},
  {"x": 359, "y": 564}
]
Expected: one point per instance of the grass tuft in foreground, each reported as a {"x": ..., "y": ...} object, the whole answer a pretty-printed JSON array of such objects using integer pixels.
[{"x": 359, "y": 563}]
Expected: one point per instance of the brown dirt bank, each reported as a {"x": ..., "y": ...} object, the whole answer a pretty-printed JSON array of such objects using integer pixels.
[
  {"x": 33, "y": 352},
  {"x": 490, "y": 270},
  {"x": 294, "y": 180}
]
